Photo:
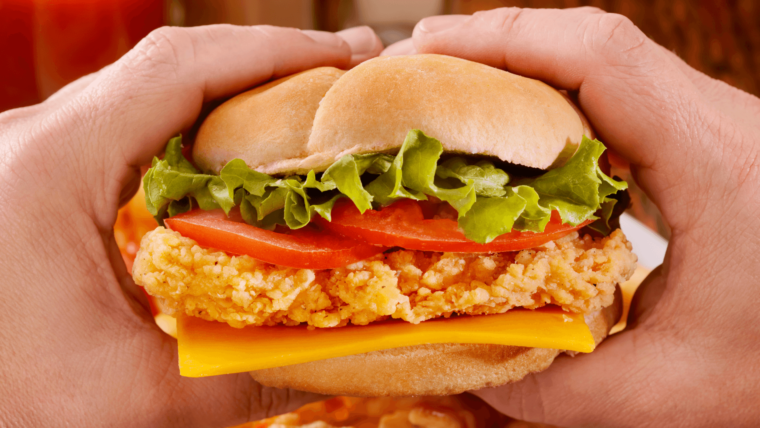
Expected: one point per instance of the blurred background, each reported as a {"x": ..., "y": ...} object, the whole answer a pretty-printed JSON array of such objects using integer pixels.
[{"x": 45, "y": 44}]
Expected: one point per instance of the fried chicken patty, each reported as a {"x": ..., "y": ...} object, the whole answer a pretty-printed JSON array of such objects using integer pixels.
[{"x": 577, "y": 273}]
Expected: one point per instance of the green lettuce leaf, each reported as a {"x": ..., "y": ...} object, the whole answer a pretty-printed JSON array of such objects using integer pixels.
[
  {"x": 490, "y": 217},
  {"x": 268, "y": 222},
  {"x": 534, "y": 217},
  {"x": 412, "y": 174},
  {"x": 174, "y": 157},
  {"x": 179, "y": 207},
  {"x": 578, "y": 188},
  {"x": 420, "y": 155},
  {"x": 488, "y": 203},
  {"x": 236, "y": 174},
  {"x": 345, "y": 174},
  {"x": 487, "y": 179},
  {"x": 324, "y": 209},
  {"x": 387, "y": 187},
  {"x": 374, "y": 163},
  {"x": 175, "y": 178},
  {"x": 273, "y": 200},
  {"x": 609, "y": 216}
]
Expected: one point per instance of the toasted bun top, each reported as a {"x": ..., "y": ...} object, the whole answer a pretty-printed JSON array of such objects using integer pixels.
[{"x": 309, "y": 120}]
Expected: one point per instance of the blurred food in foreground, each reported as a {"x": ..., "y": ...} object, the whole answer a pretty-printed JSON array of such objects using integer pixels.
[
  {"x": 459, "y": 411},
  {"x": 628, "y": 288},
  {"x": 133, "y": 222}
]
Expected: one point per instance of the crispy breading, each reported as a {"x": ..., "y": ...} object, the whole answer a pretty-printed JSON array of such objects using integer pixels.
[{"x": 577, "y": 273}]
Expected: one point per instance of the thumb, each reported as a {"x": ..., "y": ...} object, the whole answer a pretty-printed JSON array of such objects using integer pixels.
[
  {"x": 167, "y": 399},
  {"x": 593, "y": 389},
  {"x": 169, "y": 74}
]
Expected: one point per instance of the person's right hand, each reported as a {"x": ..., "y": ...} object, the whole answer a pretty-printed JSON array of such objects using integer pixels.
[
  {"x": 79, "y": 346},
  {"x": 689, "y": 356}
]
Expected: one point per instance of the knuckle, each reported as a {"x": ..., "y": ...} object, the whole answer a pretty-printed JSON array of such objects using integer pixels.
[
  {"x": 616, "y": 37},
  {"x": 14, "y": 118},
  {"x": 261, "y": 32},
  {"x": 264, "y": 402},
  {"x": 503, "y": 19},
  {"x": 267, "y": 34},
  {"x": 271, "y": 30},
  {"x": 223, "y": 31},
  {"x": 160, "y": 52},
  {"x": 590, "y": 9}
]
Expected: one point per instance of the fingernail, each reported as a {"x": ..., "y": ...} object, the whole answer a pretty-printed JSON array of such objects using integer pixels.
[
  {"x": 404, "y": 47},
  {"x": 361, "y": 39},
  {"x": 436, "y": 24},
  {"x": 324, "y": 37}
]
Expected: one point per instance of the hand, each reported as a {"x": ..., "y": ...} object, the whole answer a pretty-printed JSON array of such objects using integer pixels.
[
  {"x": 689, "y": 357},
  {"x": 79, "y": 346}
]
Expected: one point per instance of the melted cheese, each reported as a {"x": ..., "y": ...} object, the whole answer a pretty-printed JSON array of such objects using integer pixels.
[{"x": 208, "y": 348}]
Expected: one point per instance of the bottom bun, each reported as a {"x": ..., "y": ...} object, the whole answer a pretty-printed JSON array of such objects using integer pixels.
[{"x": 436, "y": 369}]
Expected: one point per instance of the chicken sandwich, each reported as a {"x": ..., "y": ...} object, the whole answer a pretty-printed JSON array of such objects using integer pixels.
[{"x": 418, "y": 225}]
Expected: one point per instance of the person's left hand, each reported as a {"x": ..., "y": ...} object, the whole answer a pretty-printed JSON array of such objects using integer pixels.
[{"x": 79, "y": 345}]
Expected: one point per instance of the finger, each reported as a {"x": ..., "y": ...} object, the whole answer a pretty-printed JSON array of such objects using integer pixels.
[
  {"x": 436, "y": 24},
  {"x": 568, "y": 49},
  {"x": 404, "y": 47},
  {"x": 71, "y": 90},
  {"x": 167, "y": 399},
  {"x": 620, "y": 74},
  {"x": 125, "y": 116},
  {"x": 135, "y": 296},
  {"x": 743, "y": 107},
  {"x": 738, "y": 104},
  {"x": 608, "y": 377},
  {"x": 62, "y": 96},
  {"x": 171, "y": 72},
  {"x": 364, "y": 44},
  {"x": 611, "y": 377},
  {"x": 562, "y": 394},
  {"x": 647, "y": 295},
  {"x": 233, "y": 399}
]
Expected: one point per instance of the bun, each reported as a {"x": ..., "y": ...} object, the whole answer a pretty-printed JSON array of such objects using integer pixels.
[
  {"x": 266, "y": 125},
  {"x": 309, "y": 120},
  {"x": 437, "y": 369}
]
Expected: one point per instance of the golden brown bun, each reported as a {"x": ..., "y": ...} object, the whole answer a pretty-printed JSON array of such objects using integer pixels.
[
  {"x": 310, "y": 120},
  {"x": 439, "y": 369},
  {"x": 265, "y": 125}
]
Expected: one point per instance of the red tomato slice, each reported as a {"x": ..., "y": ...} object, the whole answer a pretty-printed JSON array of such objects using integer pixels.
[
  {"x": 403, "y": 224},
  {"x": 306, "y": 248}
]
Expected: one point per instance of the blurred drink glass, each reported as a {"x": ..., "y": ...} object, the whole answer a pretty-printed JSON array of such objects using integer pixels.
[{"x": 45, "y": 44}]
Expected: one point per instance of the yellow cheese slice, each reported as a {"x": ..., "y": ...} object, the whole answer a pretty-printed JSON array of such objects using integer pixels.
[{"x": 208, "y": 348}]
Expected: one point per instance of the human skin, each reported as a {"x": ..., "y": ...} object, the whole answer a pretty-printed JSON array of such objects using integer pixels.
[
  {"x": 689, "y": 355},
  {"x": 79, "y": 345}
]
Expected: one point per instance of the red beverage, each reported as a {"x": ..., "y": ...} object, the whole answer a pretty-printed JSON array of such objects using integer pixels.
[{"x": 45, "y": 44}]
